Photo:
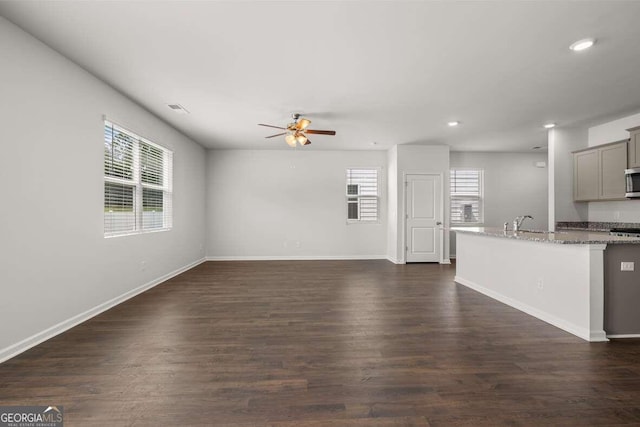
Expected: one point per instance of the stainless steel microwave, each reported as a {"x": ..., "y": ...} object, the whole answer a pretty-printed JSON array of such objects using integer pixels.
[{"x": 633, "y": 182}]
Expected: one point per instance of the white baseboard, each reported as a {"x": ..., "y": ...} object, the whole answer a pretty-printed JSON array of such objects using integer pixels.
[
  {"x": 24, "y": 345},
  {"x": 624, "y": 336},
  {"x": 295, "y": 258},
  {"x": 585, "y": 334},
  {"x": 395, "y": 261}
]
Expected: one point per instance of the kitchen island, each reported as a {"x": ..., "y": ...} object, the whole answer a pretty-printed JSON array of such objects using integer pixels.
[{"x": 556, "y": 277}]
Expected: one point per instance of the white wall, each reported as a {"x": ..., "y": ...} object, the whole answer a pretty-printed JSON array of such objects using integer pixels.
[
  {"x": 392, "y": 203},
  {"x": 620, "y": 211},
  {"x": 614, "y": 130},
  {"x": 54, "y": 261},
  {"x": 266, "y": 204},
  {"x": 513, "y": 186},
  {"x": 560, "y": 284},
  {"x": 416, "y": 159},
  {"x": 562, "y": 142}
]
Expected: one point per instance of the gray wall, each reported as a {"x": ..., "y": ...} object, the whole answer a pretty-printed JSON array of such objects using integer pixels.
[
  {"x": 513, "y": 186},
  {"x": 406, "y": 159},
  {"x": 268, "y": 204},
  {"x": 623, "y": 211},
  {"x": 562, "y": 142},
  {"x": 55, "y": 264},
  {"x": 392, "y": 203}
]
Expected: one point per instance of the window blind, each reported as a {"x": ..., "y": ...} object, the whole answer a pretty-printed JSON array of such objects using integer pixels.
[
  {"x": 466, "y": 196},
  {"x": 362, "y": 194},
  {"x": 137, "y": 183}
]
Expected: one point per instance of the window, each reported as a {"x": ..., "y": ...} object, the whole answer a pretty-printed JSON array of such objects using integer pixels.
[
  {"x": 137, "y": 183},
  {"x": 466, "y": 196},
  {"x": 362, "y": 195}
]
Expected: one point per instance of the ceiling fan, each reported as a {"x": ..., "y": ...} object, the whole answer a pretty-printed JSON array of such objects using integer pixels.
[{"x": 296, "y": 132}]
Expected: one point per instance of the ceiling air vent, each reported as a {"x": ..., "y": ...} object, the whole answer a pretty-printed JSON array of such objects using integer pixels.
[{"x": 178, "y": 108}]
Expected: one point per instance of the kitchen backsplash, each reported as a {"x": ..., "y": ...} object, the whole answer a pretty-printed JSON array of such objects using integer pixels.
[{"x": 620, "y": 211}]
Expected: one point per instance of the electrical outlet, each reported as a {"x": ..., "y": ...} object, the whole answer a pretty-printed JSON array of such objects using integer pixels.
[
  {"x": 297, "y": 243},
  {"x": 143, "y": 265},
  {"x": 540, "y": 283},
  {"x": 627, "y": 266}
]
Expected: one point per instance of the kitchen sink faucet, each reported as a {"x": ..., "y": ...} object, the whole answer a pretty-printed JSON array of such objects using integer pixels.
[{"x": 517, "y": 223}]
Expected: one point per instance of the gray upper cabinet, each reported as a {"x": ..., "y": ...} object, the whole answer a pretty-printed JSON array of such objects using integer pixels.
[
  {"x": 598, "y": 173},
  {"x": 634, "y": 147},
  {"x": 585, "y": 175},
  {"x": 613, "y": 161}
]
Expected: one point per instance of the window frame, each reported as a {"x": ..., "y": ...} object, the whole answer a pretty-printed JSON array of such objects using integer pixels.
[
  {"x": 349, "y": 221},
  {"x": 479, "y": 197},
  {"x": 136, "y": 182}
]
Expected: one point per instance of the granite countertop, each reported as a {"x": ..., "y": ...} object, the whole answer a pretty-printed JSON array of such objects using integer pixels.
[
  {"x": 593, "y": 225},
  {"x": 574, "y": 237}
]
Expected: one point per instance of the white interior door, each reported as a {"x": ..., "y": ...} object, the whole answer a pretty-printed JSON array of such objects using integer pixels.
[{"x": 423, "y": 217}]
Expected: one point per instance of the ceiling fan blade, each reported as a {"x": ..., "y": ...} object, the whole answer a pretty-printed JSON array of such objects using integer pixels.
[
  {"x": 321, "y": 132},
  {"x": 270, "y": 126},
  {"x": 307, "y": 142},
  {"x": 277, "y": 134}
]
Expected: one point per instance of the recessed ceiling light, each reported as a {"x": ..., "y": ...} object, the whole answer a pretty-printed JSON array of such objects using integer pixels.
[
  {"x": 549, "y": 125},
  {"x": 452, "y": 124},
  {"x": 582, "y": 44},
  {"x": 178, "y": 108}
]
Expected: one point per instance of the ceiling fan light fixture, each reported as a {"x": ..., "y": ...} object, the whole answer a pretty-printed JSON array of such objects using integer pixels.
[
  {"x": 303, "y": 123},
  {"x": 291, "y": 140},
  {"x": 295, "y": 132}
]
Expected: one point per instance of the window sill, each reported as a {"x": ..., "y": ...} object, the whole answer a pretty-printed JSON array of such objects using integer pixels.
[{"x": 135, "y": 233}]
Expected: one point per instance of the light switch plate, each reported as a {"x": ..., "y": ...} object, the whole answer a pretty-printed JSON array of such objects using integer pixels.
[{"x": 627, "y": 266}]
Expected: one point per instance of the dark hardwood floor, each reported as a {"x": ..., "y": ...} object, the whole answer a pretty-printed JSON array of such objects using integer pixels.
[{"x": 324, "y": 343}]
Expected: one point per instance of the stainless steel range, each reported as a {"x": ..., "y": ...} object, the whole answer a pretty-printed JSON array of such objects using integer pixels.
[{"x": 625, "y": 232}]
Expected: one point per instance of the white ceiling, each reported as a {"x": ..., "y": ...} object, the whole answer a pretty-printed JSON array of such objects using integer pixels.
[{"x": 376, "y": 72}]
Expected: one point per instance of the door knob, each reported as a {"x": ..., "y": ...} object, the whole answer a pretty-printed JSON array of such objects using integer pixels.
[{"x": 438, "y": 223}]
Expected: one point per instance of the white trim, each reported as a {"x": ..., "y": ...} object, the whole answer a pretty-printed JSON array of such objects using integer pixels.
[
  {"x": 38, "y": 338},
  {"x": 404, "y": 213},
  {"x": 551, "y": 180},
  {"x": 295, "y": 257},
  {"x": 378, "y": 170},
  {"x": 446, "y": 261},
  {"x": 585, "y": 334},
  {"x": 139, "y": 186},
  {"x": 623, "y": 336},
  {"x": 125, "y": 129},
  {"x": 393, "y": 260},
  {"x": 480, "y": 198},
  {"x": 358, "y": 221}
]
